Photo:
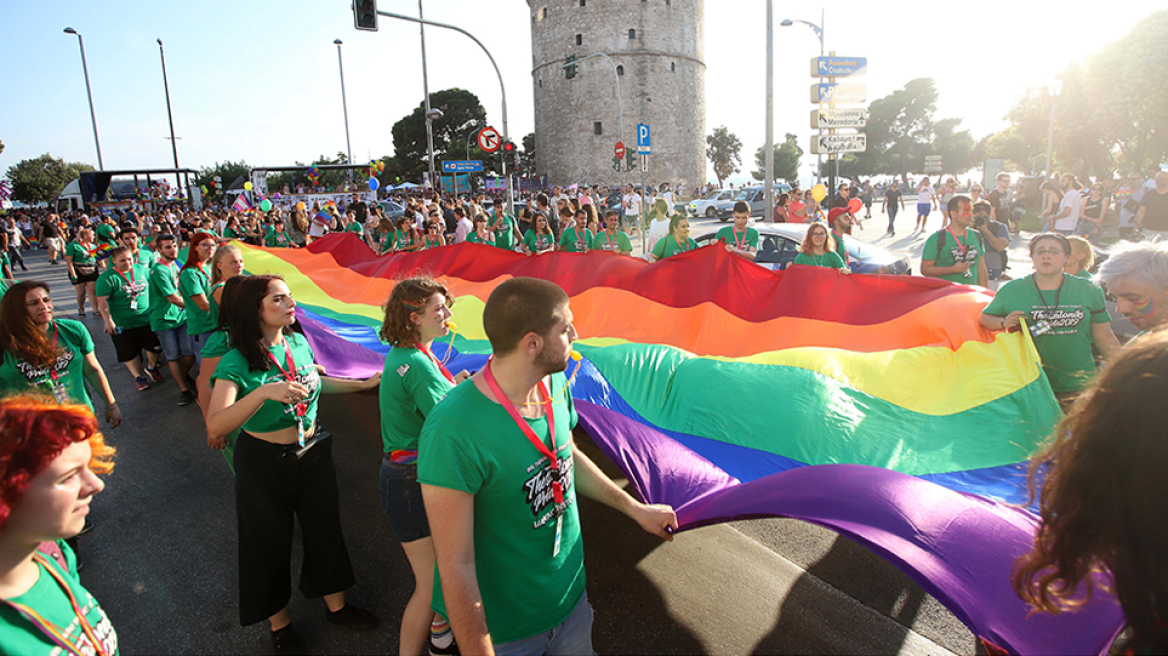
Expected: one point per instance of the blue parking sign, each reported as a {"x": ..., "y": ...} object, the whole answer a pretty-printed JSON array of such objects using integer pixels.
[{"x": 643, "y": 140}]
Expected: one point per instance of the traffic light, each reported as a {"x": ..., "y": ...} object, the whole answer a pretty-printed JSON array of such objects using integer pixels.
[
  {"x": 510, "y": 155},
  {"x": 571, "y": 68},
  {"x": 365, "y": 15}
]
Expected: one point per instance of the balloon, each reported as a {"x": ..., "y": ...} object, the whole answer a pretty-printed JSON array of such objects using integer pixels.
[
  {"x": 300, "y": 206},
  {"x": 247, "y": 186},
  {"x": 373, "y": 183},
  {"x": 203, "y": 188},
  {"x": 819, "y": 192},
  {"x": 854, "y": 205},
  {"x": 277, "y": 194},
  {"x": 266, "y": 205}
]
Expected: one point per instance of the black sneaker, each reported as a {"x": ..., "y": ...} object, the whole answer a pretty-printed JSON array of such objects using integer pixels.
[
  {"x": 354, "y": 618},
  {"x": 285, "y": 641},
  {"x": 186, "y": 397}
]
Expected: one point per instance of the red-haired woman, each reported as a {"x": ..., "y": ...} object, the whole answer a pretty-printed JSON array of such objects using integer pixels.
[
  {"x": 40, "y": 355},
  {"x": 194, "y": 283},
  {"x": 1104, "y": 499},
  {"x": 818, "y": 249},
  {"x": 49, "y": 460}
]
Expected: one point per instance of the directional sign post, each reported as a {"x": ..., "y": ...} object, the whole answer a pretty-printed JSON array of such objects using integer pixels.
[
  {"x": 835, "y": 144},
  {"x": 489, "y": 139},
  {"x": 462, "y": 166},
  {"x": 839, "y": 66},
  {"x": 643, "y": 139},
  {"x": 830, "y": 119},
  {"x": 932, "y": 163},
  {"x": 838, "y": 93},
  {"x": 619, "y": 150}
]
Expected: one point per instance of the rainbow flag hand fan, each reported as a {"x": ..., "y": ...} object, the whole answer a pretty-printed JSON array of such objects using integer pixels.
[{"x": 872, "y": 405}]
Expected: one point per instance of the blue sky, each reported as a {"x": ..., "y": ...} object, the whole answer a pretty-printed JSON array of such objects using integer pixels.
[{"x": 259, "y": 80}]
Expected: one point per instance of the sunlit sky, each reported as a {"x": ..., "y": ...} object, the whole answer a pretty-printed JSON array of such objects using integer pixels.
[{"x": 259, "y": 81}]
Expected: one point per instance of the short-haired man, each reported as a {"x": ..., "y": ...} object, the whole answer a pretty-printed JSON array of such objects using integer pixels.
[
  {"x": 954, "y": 252},
  {"x": 1067, "y": 218},
  {"x": 1136, "y": 274},
  {"x": 612, "y": 238},
  {"x": 168, "y": 317},
  {"x": 997, "y": 240},
  {"x": 1152, "y": 217},
  {"x": 740, "y": 239},
  {"x": 503, "y": 225},
  {"x": 359, "y": 209},
  {"x": 892, "y": 202},
  {"x": 129, "y": 238},
  {"x": 840, "y": 222},
  {"x": 631, "y": 202},
  {"x": 464, "y": 227},
  {"x": 1002, "y": 200},
  {"x": 499, "y": 475}
]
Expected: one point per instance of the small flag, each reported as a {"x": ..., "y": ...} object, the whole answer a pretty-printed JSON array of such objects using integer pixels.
[{"x": 241, "y": 204}]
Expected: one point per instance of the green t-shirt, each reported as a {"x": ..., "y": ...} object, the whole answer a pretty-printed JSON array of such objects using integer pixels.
[
  {"x": 505, "y": 233},
  {"x": 576, "y": 240},
  {"x": 19, "y": 636},
  {"x": 404, "y": 239},
  {"x": 146, "y": 258},
  {"x": 19, "y": 377},
  {"x": 668, "y": 245},
  {"x": 4, "y": 261},
  {"x": 386, "y": 243},
  {"x": 106, "y": 234},
  {"x": 618, "y": 244},
  {"x": 275, "y": 239},
  {"x": 193, "y": 281},
  {"x": 219, "y": 343},
  {"x": 429, "y": 242},
  {"x": 232, "y": 233},
  {"x": 411, "y": 385},
  {"x": 79, "y": 253},
  {"x": 355, "y": 228},
  {"x": 727, "y": 235},
  {"x": 541, "y": 242},
  {"x": 273, "y": 416},
  {"x": 3, "y": 288},
  {"x": 830, "y": 260},
  {"x": 128, "y": 295},
  {"x": 165, "y": 315},
  {"x": 474, "y": 238},
  {"x": 841, "y": 248},
  {"x": 968, "y": 249},
  {"x": 1065, "y": 349},
  {"x": 470, "y": 443}
]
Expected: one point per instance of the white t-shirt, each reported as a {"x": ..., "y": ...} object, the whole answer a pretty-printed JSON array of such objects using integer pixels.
[
  {"x": 657, "y": 230},
  {"x": 1074, "y": 200},
  {"x": 668, "y": 196},
  {"x": 925, "y": 195},
  {"x": 633, "y": 204},
  {"x": 463, "y": 229}
]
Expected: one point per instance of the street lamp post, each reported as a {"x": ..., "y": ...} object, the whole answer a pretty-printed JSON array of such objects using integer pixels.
[
  {"x": 89, "y": 93},
  {"x": 344, "y": 102},
  {"x": 169, "y": 116},
  {"x": 769, "y": 157},
  {"x": 426, "y": 91},
  {"x": 818, "y": 29},
  {"x": 1053, "y": 89}
]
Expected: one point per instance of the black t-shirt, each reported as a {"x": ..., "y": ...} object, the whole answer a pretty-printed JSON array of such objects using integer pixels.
[
  {"x": 361, "y": 210},
  {"x": 1156, "y": 216},
  {"x": 450, "y": 220},
  {"x": 892, "y": 197},
  {"x": 1092, "y": 207},
  {"x": 1001, "y": 202},
  {"x": 51, "y": 229}
]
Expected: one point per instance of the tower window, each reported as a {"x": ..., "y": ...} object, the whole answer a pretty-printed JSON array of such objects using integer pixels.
[
  {"x": 668, "y": 3},
  {"x": 597, "y": 128},
  {"x": 620, "y": 69},
  {"x": 579, "y": 39},
  {"x": 583, "y": 3},
  {"x": 632, "y": 33},
  {"x": 672, "y": 67}
]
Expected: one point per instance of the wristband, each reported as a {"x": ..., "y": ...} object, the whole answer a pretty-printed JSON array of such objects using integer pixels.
[{"x": 1003, "y": 323}]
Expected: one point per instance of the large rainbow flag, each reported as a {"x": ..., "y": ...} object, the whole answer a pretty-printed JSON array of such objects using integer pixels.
[{"x": 873, "y": 405}]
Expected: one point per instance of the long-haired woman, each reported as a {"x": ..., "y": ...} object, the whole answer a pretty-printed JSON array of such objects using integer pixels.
[
  {"x": 818, "y": 249},
  {"x": 406, "y": 238},
  {"x": 43, "y": 355},
  {"x": 194, "y": 283},
  {"x": 49, "y": 461},
  {"x": 226, "y": 263},
  {"x": 1104, "y": 499},
  {"x": 81, "y": 258},
  {"x": 539, "y": 238},
  {"x": 413, "y": 382},
  {"x": 267, "y": 387}
]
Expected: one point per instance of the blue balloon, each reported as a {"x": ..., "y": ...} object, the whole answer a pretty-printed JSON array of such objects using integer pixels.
[{"x": 373, "y": 184}]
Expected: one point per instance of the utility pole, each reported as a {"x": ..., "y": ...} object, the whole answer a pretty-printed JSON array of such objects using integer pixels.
[
  {"x": 169, "y": 116},
  {"x": 770, "y": 112},
  {"x": 426, "y": 90}
]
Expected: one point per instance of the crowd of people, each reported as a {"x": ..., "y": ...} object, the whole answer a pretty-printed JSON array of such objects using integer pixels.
[{"x": 479, "y": 474}]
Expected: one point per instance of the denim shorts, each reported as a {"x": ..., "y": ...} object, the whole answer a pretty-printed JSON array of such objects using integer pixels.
[
  {"x": 401, "y": 500},
  {"x": 197, "y": 342},
  {"x": 571, "y": 637},
  {"x": 175, "y": 344}
]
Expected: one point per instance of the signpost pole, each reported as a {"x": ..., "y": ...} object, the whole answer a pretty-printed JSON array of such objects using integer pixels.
[{"x": 769, "y": 168}]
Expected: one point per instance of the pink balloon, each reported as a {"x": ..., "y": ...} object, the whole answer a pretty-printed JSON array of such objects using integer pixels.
[{"x": 854, "y": 205}]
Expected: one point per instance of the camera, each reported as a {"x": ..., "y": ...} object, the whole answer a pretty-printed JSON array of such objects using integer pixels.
[{"x": 979, "y": 220}]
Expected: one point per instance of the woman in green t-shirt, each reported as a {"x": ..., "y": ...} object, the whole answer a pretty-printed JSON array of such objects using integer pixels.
[
  {"x": 81, "y": 259},
  {"x": 818, "y": 249},
  {"x": 1065, "y": 314},
  {"x": 434, "y": 237},
  {"x": 49, "y": 481},
  {"x": 405, "y": 238},
  {"x": 677, "y": 241},
  {"x": 225, "y": 264},
  {"x": 47, "y": 356},
  {"x": 480, "y": 234},
  {"x": 386, "y": 240},
  {"x": 194, "y": 284},
  {"x": 539, "y": 238},
  {"x": 412, "y": 383},
  {"x": 268, "y": 386},
  {"x": 123, "y": 299}
]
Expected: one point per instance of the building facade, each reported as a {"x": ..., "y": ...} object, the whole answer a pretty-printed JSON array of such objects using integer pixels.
[{"x": 657, "y": 47}]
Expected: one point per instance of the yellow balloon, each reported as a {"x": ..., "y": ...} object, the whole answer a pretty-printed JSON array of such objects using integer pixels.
[
  {"x": 819, "y": 192},
  {"x": 247, "y": 186}
]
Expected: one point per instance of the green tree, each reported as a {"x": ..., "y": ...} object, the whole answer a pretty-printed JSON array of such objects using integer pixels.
[
  {"x": 40, "y": 180},
  {"x": 956, "y": 148},
  {"x": 461, "y": 112},
  {"x": 724, "y": 151},
  {"x": 227, "y": 172},
  {"x": 900, "y": 128},
  {"x": 527, "y": 156},
  {"x": 787, "y": 157}
]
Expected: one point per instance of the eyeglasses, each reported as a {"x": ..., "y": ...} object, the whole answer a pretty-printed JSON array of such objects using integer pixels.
[{"x": 1050, "y": 251}]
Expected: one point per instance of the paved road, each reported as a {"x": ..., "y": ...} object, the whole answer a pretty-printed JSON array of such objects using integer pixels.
[{"x": 162, "y": 559}]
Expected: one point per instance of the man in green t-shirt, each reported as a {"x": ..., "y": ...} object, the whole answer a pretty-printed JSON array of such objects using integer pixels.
[
  {"x": 1136, "y": 274},
  {"x": 840, "y": 222},
  {"x": 353, "y": 225},
  {"x": 168, "y": 317},
  {"x": 504, "y": 226},
  {"x": 106, "y": 232},
  {"x": 955, "y": 253},
  {"x": 500, "y": 483},
  {"x": 740, "y": 239},
  {"x": 129, "y": 238},
  {"x": 575, "y": 237},
  {"x": 612, "y": 238}
]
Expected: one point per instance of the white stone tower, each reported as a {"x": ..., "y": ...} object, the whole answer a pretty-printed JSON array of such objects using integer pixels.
[{"x": 658, "y": 46}]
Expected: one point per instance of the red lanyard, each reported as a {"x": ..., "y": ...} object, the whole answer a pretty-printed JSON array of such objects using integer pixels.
[
  {"x": 964, "y": 247},
  {"x": 680, "y": 248},
  {"x": 441, "y": 367},
  {"x": 290, "y": 375},
  {"x": 550, "y": 454},
  {"x": 129, "y": 281},
  {"x": 51, "y": 630},
  {"x": 608, "y": 238},
  {"x": 739, "y": 244}
]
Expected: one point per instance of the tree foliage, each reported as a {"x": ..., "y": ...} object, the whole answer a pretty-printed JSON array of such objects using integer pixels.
[
  {"x": 41, "y": 179},
  {"x": 787, "y": 158},
  {"x": 462, "y": 113},
  {"x": 724, "y": 151},
  {"x": 527, "y": 156}
]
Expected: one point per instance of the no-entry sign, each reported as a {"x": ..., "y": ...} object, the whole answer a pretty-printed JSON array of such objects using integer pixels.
[
  {"x": 619, "y": 151},
  {"x": 489, "y": 139}
]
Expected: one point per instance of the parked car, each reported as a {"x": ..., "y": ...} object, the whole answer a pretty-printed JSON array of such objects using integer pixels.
[
  {"x": 392, "y": 210},
  {"x": 778, "y": 244},
  {"x": 704, "y": 206},
  {"x": 756, "y": 196}
]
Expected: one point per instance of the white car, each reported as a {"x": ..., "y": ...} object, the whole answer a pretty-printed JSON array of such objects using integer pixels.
[{"x": 705, "y": 206}]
